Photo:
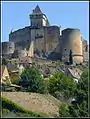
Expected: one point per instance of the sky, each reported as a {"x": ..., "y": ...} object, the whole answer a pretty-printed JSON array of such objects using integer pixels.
[{"x": 15, "y": 15}]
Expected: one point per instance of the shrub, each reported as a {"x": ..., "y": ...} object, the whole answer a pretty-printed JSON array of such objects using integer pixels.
[
  {"x": 61, "y": 83},
  {"x": 4, "y": 61},
  {"x": 15, "y": 81},
  {"x": 31, "y": 80},
  {"x": 63, "y": 110},
  {"x": 80, "y": 107},
  {"x": 5, "y": 111}
]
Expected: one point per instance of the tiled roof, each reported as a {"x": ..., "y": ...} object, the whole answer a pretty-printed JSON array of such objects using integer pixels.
[
  {"x": 12, "y": 67},
  {"x": 75, "y": 72}
]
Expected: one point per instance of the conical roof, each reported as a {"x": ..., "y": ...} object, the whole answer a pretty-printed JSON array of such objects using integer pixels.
[{"x": 37, "y": 10}]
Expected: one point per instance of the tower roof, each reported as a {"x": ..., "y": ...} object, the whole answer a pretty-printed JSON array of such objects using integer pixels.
[{"x": 37, "y": 10}]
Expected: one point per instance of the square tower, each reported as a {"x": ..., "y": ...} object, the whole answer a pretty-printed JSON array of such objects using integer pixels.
[{"x": 38, "y": 19}]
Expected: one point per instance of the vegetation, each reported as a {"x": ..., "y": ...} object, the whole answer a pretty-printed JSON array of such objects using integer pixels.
[
  {"x": 63, "y": 110},
  {"x": 9, "y": 106},
  {"x": 4, "y": 61},
  {"x": 78, "y": 108},
  {"x": 15, "y": 81},
  {"x": 82, "y": 67},
  {"x": 70, "y": 58},
  {"x": 7, "y": 88},
  {"x": 31, "y": 80},
  {"x": 61, "y": 85},
  {"x": 5, "y": 111}
]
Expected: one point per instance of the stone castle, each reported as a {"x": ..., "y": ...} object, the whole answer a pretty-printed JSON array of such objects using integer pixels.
[{"x": 42, "y": 40}]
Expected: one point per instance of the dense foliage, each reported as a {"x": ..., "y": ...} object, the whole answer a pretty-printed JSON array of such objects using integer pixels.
[
  {"x": 78, "y": 108},
  {"x": 61, "y": 86},
  {"x": 15, "y": 81},
  {"x": 4, "y": 61},
  {"x": 31, "y": 80}
]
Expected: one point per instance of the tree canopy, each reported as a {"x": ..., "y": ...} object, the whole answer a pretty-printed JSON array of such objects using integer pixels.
[
  {"x": 4, "y": 61},
  {"x": 31, "y": 80},
  {"x": 60, "y": 83},
  {"x": 80, "y": 107}
]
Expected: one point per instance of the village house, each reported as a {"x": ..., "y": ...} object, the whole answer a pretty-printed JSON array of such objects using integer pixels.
[
  {"x": 74, "y": 73},
  {"x": 5, "y": 77}
]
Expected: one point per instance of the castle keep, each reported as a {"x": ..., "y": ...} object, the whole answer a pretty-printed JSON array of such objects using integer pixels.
[{"x": 44, "y": 41}]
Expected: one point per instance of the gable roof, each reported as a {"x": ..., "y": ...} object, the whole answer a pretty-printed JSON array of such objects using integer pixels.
[{"x": 75, "y": 72}]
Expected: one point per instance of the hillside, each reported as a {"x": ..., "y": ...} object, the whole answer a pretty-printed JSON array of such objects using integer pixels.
[{"x": 39, "y": 103}]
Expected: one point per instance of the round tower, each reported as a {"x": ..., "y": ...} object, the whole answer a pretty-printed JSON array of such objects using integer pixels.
[{"x": 71, "y": 40}]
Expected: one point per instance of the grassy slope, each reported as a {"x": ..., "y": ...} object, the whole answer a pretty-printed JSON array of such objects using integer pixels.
[
  {"x": 11, "y": 109},
  {"x": 39, "y": 103}
]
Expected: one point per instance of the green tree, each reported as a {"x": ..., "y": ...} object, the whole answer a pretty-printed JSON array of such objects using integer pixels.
[
  {"x": 80, "y": 107},
  {"x": 31, "y": 80},
  {"x": 4, "y": 61},
  {"x": 82, "y": 95},
  {"x": 63, "y": 110},
  {"x": 70, "y": 57},
  {"x": 61, "y": 84}
]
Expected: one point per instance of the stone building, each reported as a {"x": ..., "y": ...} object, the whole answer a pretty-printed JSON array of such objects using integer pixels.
[
  {"x": 8, "y": 48},
  {"x": 5, "y": 78},
  {"x": 85, "y": 51},
  {"x": 43, "y": 40},
  {"x": 71, "y": 40}
]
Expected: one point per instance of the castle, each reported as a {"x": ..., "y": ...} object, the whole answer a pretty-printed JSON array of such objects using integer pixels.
[{"x": 45, "y": 41}]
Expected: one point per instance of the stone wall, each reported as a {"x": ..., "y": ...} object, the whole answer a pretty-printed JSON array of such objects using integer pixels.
[
  {"x": 21, "y": 38},
  {"x": 8, "y": 48},
  {"x": 85, "y": 46},
  {"x": 51, "y": 36},
  {"x": 37, "y": 35},
  {"x": 71, "y": 39}
]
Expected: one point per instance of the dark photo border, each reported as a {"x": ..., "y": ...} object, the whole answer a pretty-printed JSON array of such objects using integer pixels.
[{"x": 2, "y": 49}]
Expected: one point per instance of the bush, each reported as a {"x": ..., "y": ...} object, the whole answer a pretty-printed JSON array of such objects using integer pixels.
[
  {"x": 4, "y": 61},
  {"x": 31, "y": 80},
  {"x": 80, "y": 107},
  {"x": 80, "y": 64},
  {"x": 5, "y": 111},
  {"x": 61, "y": 84},
  {"x": 15, "y": 81},
  {"x": 63, "y": 110}
]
